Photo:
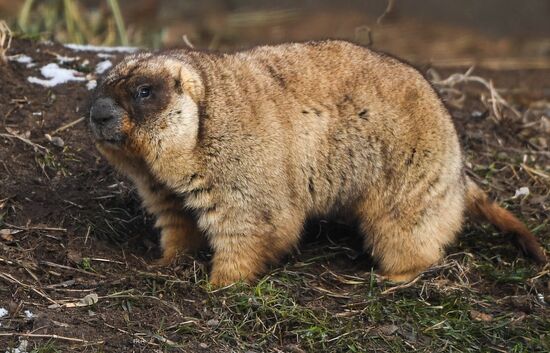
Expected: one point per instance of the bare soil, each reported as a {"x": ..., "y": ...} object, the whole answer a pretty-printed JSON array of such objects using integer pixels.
[{"x": 71, "y": 227}]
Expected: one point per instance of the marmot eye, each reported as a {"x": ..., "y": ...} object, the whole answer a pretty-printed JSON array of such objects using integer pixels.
[{"x": 143, "y": 91}]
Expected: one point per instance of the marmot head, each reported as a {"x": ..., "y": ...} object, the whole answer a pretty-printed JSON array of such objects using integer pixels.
[{"x": 145, "y": 104}]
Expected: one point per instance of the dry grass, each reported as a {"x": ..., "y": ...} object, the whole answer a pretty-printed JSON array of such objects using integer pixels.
[
  {"x": 71, "y": 21},
  {"x": 5, "y": 40},
  {"x": 494, "y": 101}
]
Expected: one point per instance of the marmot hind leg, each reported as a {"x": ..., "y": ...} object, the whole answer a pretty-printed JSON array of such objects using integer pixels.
[{"x": 407, "y": 242}]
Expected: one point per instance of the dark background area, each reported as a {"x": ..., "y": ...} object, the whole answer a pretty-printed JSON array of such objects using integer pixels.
[{"x": 444, "y": 32}]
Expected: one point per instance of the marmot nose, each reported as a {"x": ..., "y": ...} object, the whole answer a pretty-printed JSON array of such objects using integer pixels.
[{"x": 103, "y": 111}]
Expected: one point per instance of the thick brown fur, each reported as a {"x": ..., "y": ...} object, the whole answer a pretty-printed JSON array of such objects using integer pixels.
[
  {"x": 240, "y": 149},
  {"x": 480, "y": 206}
]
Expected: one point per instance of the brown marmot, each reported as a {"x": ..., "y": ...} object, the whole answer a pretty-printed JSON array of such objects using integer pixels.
[{"x": 240, "y": 149}]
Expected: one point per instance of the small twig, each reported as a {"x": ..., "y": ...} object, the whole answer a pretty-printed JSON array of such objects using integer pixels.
[
  {"x": 23, "y": 265},
  {"x": 401, "y": 286},
  {"x": 187, "y": 41},
  {"x": 106, "y": 260},
  {"x": 387, "y": 11},
  {"x": 539, "y": 275},
  {"x": 132, "y": 296},
  {"x": 27, "y": 141},
  {"x": 53, "y": 264},
  {"x": 73, "y": 204},
  {"x": 87, "y": 235},
  {"x": 11, "y": 279},
  {"x": 36, "y": 335},
  {"x": 535, "y": 171},
  {"x": 48, "y": 229},
  {"x": 66, "y": 126},
  {"x": 496, "y": 100},
  {"x": 329, "y": 293}
]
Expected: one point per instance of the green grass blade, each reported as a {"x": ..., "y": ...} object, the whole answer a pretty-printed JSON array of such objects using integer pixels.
[
  {"x": 119, "y": 21},
  {"x": 23, "y": 19}
]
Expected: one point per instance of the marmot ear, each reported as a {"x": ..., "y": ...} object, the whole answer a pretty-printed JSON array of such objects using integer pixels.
[
  {"x": 191, "y": 83},
  {"x": 188, "y": 78}
]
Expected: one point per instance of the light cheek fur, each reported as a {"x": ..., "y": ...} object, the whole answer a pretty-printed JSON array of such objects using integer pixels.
[
  {"x": 171, "y": 132},
  {"x": 253, "y": 144}
]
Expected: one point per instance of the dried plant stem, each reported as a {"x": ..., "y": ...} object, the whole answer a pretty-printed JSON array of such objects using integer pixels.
[
  {"x": 23, "y": 18},
  {"x": 389, "y": 9},
  {"x": 119, "y": 21},
  {"x": 5, "y": 40},
  {"x": 66, "y": 126},
  {"x": 9, "y": 278},
  {"x": 36, "y": 335},
  {"x": 401, "y": 286},
  {"x": 12, "y": 134},
  {"x": 496, "y": 101}
]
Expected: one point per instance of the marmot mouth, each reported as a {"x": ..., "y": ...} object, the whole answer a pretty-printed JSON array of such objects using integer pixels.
[
  {"x": 108, "y": 142},
  {"x": 105, "y": 137}
]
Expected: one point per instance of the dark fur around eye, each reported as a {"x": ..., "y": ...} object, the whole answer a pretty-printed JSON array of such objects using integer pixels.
[{"x": 143, "y": 91}]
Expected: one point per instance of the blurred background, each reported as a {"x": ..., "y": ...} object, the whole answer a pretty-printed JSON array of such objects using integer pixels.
[{"x": 498, "y": 34}]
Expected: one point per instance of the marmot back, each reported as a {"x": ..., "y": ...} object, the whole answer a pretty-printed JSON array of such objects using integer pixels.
[{"x": 242, "y": 148}]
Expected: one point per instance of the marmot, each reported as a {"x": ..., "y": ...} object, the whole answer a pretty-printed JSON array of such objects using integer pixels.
[{"x": 239, "y": 149}]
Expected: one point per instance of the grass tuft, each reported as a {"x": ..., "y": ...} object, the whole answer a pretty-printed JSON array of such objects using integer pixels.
[{"x": 66, "y": 20}]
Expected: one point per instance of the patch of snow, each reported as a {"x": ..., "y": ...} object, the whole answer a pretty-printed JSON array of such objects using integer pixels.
[
  {"x": 66, "y": 59},
  {"x": 103, "y": 66},
  {"x": 3, "y": 312},
  {"x": 90, "y": 85},
  {"x": 31, "y": 65},
  {"x": 29, "y": 314},
  {"x": 88, "y": 47},
  {"x": 105, "y": 55},
  {"x": 20, "y": 58},
  {"x": 56, "y": 75}
]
